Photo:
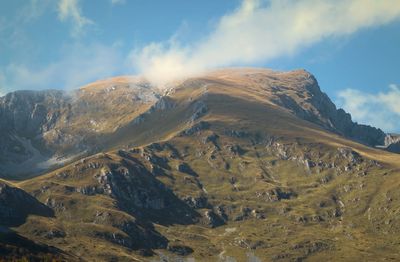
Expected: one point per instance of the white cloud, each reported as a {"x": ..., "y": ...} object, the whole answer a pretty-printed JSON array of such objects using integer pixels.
[
  {"x": 380, "y": 110},
  {"x": 70, "y": 10},
  {"x": 258, "y": 31},
  {"x": 79, "y": 65},
  {"x": 118, "y": 2}
]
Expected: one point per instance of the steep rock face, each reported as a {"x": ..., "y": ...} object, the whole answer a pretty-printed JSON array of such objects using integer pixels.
[
  {"x": 24, "y": 116},
  {"x": 392, "y": 139},
  {"x": 392, "y": 143},
  {"x": 16, "y": 205},
  {"x": 29, "y": 113},
  {"x": 41, "y": 129},
  {"x": 305, "y": 99}
]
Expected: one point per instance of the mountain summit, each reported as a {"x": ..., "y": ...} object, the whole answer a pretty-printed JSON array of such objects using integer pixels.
[{"x": 41, "y": 130}]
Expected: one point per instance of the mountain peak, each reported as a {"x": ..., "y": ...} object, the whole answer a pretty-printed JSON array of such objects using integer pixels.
[{"x": 45, "y": 127}]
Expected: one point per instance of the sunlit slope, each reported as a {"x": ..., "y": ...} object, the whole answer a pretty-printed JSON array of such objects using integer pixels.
[
  {"x": 221, "y": 168},
  {"x": 45, "y": 129}
]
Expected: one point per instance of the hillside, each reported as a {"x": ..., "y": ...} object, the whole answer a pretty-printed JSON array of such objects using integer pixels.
[
  {"x": 241, "y": 164},
  {"x": 43, "y": 129}
]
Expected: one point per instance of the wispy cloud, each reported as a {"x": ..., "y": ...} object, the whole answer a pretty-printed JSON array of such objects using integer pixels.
[
  {"x": 118, "y": 2},
  {"x": 259, "y": 31},
  {"x": 79, "y": 65},
  {"x": 380, "y": 109},
  {"x": 69, "y": 10}
]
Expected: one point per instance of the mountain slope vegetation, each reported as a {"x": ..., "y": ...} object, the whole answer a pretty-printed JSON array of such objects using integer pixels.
[{"x": 240, "y": 164}]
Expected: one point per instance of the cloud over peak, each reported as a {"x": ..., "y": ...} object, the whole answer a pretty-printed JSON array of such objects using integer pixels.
[{"x": 259, "y": 31}]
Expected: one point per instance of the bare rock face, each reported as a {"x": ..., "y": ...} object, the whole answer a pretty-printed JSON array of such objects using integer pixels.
[
  {"x": 39, "y": 129},
  {"x": 392, "y": 139},
  {"x": 196, "y": 202},
  {"x": 211, "y": 219},
  {"x": 392, "y": 143},
  {"x": 164, "y": 103},
  {"x": 310, "y": 103},
  {"x": 29, "y": 113},
  {"x": 24, "y": 117},
  {"x": 16, "y": 205}
]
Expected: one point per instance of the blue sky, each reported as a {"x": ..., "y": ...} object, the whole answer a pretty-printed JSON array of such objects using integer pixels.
[{"x": 351, "y": 46}]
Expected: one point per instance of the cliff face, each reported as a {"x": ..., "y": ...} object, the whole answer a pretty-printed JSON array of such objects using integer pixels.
[
  {"x": 40, "y": 129},
  {"x": 307, "y": 101},
  {"x": 29, "y": 113},
  {"x": 391, "y": 139},
  {"x": 392, "y": 143}
]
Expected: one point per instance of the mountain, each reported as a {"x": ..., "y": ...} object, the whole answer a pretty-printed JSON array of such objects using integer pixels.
[
  {"x": 244, "y": 164},
  {"x": 41, "y": 130}
]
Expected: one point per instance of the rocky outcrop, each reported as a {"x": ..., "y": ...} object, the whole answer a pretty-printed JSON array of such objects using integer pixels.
[
  {"x": 43, "y": 129},
  {"x": 180, "y": 250},
  {"x": 130, "y": 188},
  {"x": 392, "y": 143},
  {"x": 164, "y": 103},
  {"x": 138, "y": 191},
  {"x": 200, "y": 126},
  {"x": 311, "y": 104},
  {"x": 392, "y": 139},
  {"x": 29, "y": 113},
  {"x": 196, "y": 202},
  {"x": 211, "y": 219},
  {"x": 199, "y": 110},
  {"x": 276, "y": 194}
]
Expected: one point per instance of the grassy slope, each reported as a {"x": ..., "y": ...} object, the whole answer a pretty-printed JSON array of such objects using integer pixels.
[{"x": 347, "y": 215}]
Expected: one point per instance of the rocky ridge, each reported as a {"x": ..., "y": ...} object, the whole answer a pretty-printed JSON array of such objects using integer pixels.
[{"x": 42, "y": 129}]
